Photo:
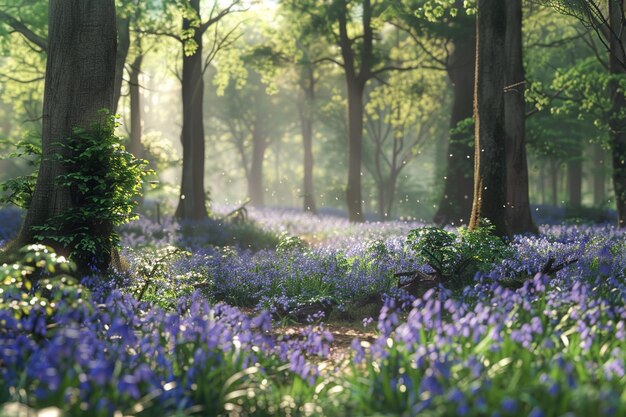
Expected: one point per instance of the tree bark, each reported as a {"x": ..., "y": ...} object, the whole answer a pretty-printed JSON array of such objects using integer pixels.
[
  {"x": 490, "y": 158},
  {"x": 542, "y": 182},
  {"x": 575, "y": 180},
  {"x": 136, "y": 132},
  {"x": 80, "y": 73},
  {"x": 519, "y": 218},
  {"x": 599, "y": 176},
  {"x": 355, "y": 84},
  {"x": 123, "y": 45},
  {"x": 255, "y": 177},
  {"x": 306, "y": 125},
  {"x": 191, "y": 205},
  {"x": 554, "y": 183},
  {"x": 391, "y": 192},
  {"x": 456, "y": 202},
  {"x": 354, "y": 196},
  {"x": 617, "y": 134},
  {"x": 381, "y": 197}
]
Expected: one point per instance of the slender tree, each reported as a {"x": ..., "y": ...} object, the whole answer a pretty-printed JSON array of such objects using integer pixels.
[
  {"x": 298, "y": 51},
  {"x": 357, "y": 76},
  {"x": 456, "y": 201},
  {"x": 352, "y": 27},
  {"x": 306, "y": 102},
  {"x": 136, "y": 131},
  {"x": 252, "y": 120},
  {"x": 599, "y": 175},
  {"x": 123, "y": 45},
  {"x": 79, "y": 83},
  {"x": 449, "y": 40},
  {"x": 490, "y": 159},
  {"x": 400, "y": 119},
  {"x": 191, "y": 204}
]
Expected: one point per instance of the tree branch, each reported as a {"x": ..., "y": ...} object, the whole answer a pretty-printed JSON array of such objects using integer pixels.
[
  {"x": 21, "y": 81},
  {"x": 20, "y": 27},
  {"x": 158, "y": 33},
  {"x": 214, "y": 19}
]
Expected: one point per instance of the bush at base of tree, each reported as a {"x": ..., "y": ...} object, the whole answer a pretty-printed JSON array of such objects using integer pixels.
[{"x": 104, "y": 180}]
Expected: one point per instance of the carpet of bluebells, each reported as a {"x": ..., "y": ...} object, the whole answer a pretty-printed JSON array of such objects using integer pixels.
[{"x": 188, "y": 329}]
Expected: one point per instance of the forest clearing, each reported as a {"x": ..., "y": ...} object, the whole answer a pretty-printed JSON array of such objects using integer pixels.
[{"x": 312, "y": 208}]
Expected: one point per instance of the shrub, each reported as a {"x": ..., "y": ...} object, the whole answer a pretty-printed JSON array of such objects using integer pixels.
[
  {"x": 19, "y": 191},
  {"x": 104, "y": 181},
  {"x": 35, "y": 282},
  {"x": 456, "y": 258}
]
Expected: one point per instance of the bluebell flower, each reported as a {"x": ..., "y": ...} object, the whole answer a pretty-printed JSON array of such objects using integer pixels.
[{"x": 509, "y": 405}]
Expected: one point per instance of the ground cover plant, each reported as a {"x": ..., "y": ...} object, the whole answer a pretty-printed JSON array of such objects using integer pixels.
[{"x": 166, "y": 337}]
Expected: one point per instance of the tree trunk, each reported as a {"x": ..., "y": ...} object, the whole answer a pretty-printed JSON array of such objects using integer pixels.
[
  {"x": 135, "y": 147},
  {"x": 123, "y": 45},
  {"x": 456, "y": 202},
  {"x": 306, "y": 125},
  {"x": 255, "y": 177},
  {"x": 617, "y": 135},
  {"x": 355, "y": 84},
  {"x": 381, "y": 197},
  {"x": 391, "y": 193},
  {"x": 80, "y": 73},
  {"x": 542, "y": 182},
  {"x": 490, "y": 158},
  {"x": 599, "y": 176},
  {"x": 519, "y": 219},
  {"x": 554, "y": 183},
  {"x": 191, "y": 205},
  {"x": 355, "y": 149},
  {"x": 575, "y": 180}
]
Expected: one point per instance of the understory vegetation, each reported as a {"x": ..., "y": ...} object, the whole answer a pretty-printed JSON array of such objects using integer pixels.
[{"x": 463, "y": 323}]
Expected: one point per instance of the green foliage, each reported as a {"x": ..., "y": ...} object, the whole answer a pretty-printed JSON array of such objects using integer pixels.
[
  {"x": 441, "y": 10},
  {"x": 104, "y": 181},
  {"x": 19, "y": 190},
  {"x": 457, "y": 257},
  {"x": 288, "y": 243},
  {"x": 154, "y": 282},
  {"x": 463, "y": 132},
  {"x": 36, "y": 280}
]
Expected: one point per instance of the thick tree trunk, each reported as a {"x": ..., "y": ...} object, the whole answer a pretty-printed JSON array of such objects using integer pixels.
[
  {"x": 123, "y": 45},
  {"x": 79, "y": 82},
  {"x": 456, "y": 202},
  {"x": 191, "y": 205},
  {"x": 575, "y": 180},
  {"x": 255, "y": 177},
  {"x": 599, "y": 176},
  {"x": 135, "y": 147},
  {"x": 490, "y": 158},
  {"x": 306, "y": 125},
  {"x": 354, "y": 196},
  {"x": 519, "y": 218},
  {"x": 617, "y": 135}
]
